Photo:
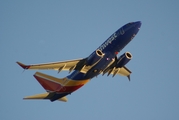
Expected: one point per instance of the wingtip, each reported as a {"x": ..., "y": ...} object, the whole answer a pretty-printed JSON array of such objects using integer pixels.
[
  {"x": 129, "y": 78},
  {"x": 63, "y": 99},
  {"x": 23, "y": 65},
  {"x": 25, "y": 98}
]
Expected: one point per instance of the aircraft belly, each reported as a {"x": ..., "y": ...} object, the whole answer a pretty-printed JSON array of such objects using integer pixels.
[{"x": 98, "y": 68}]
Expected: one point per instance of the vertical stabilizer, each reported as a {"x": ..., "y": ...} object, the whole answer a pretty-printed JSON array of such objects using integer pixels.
[{"x": 49, "y": 83}]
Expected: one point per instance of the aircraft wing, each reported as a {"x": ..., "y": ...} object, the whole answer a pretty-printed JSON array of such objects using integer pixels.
[
  {"x": 71, "y": 65},
  {"x": 61, "y": 65},
  {"x": 123, "y": 71}
]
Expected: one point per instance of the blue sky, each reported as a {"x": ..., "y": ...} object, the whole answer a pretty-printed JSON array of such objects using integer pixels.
[{"x": 46, "y": 31}]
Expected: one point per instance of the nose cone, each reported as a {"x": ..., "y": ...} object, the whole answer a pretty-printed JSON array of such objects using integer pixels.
[
  {"x": 138, "y": 24},
  {"x": 136, "y": 27}
]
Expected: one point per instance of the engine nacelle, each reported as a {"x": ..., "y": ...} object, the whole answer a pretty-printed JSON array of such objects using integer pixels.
[
  {"x": 124, "y": 59},
  {"x": 94, "y": 57}
]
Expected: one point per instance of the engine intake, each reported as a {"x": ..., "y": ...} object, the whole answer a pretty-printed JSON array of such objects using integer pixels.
[
  {"x": 124, "y": 59},
  {"x": 95, "y": 57},
  {"x": 99, "y": 53}
]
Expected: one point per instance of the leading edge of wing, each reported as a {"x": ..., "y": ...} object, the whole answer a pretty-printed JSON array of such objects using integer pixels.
[{"x": 24, "y": 66}]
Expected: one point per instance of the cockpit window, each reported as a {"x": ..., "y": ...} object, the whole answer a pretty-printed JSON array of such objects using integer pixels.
[{"x": 129, "y": 23}]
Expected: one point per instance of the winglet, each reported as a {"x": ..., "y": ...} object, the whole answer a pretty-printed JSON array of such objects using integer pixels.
[{"x": 23, "y": 65}]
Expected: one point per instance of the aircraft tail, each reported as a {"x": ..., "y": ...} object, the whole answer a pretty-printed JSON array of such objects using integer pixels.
[
  {"x": 56, "y": 88},
  {"x": 45, "y": 96},
  {"x": 49, "y": 83},
  {"x": 53, "y": 86}
]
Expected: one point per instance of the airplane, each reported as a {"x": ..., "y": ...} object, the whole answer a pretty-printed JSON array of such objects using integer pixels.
[{"x": 103, "y": 60}]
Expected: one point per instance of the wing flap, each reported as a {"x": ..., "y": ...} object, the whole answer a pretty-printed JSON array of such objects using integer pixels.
[{"x": 124, "y": 71}]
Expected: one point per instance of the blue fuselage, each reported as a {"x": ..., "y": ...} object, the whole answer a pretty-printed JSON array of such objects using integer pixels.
[{"x": 110, "y": 48}]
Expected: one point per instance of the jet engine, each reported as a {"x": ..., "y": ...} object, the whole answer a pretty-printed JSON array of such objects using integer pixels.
[
  {"x": 123, "y": 59},
  {"x": 94, "y": 57}
]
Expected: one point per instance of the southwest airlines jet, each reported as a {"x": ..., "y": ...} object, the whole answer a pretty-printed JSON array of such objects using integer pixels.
[{"x": 103, "y": 60}]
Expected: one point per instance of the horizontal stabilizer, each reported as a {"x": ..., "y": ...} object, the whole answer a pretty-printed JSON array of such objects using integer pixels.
[
  {"x": 44, "y": 96},
  {"x": 37, "y": 96}
]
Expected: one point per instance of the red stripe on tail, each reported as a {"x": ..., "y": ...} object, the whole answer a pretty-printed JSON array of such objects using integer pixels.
[
  {"x": 51, "y": 85},
  {"x": 47, "y": 84}
]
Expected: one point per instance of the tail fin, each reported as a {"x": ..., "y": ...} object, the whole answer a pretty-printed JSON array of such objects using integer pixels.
[
  {"x": 45, "y": 96},
  {"x": 56, "y": 88},
  {"x": 49, "y": 83},
  {"x": 52, "y": 85}
]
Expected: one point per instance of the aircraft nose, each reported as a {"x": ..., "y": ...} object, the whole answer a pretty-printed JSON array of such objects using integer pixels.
[{"x": 138, "y": 24}]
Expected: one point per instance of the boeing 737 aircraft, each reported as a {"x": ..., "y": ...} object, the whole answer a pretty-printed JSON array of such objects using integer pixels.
[{"x": 103, "y": 60}]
